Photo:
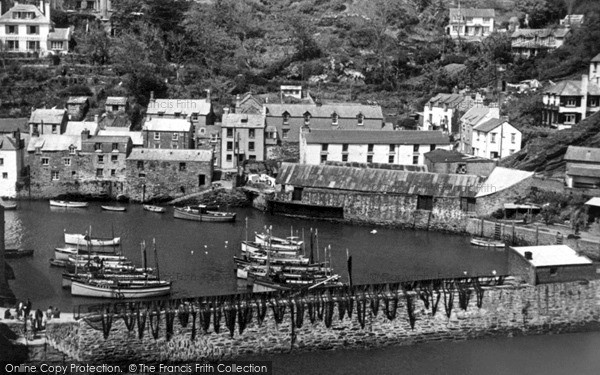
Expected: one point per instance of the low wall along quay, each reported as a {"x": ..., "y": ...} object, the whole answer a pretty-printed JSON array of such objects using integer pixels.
[{"x": 229, "y": 327}]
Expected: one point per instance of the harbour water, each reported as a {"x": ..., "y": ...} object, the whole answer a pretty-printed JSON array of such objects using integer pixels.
[{"x": 197, "y": 257}]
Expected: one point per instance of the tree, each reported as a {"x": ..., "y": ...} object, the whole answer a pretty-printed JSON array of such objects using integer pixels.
[
  {"x": 541, "y": 12},
  {"x": 95, "y": 44}
]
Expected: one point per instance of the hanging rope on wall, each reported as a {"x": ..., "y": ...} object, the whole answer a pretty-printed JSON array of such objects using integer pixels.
[
  {"x": 205, "y": 314},
  {"x": 410, "y": 309},
  {"x": 293, "y": 325},
  {"x": 183, "y": 314},
  {"x": 299, "y": 312},
  {"x": 169, "y": 318},
  {"x": 230, "y": 311},
  {"x": 391, "y": 306},
  {"x": 464, "y": 294},
  {"x": 425, "y": 291},
  {"x": 155, "y": 322},
  {"x": 320, "y": 307},
  {"x": 312, "y": 313},
  {"x": 341, "y": 306},
  {"x": 217, "y": 317},
  {"x": 329, "y": 306},
  {"x": 448, "y": 289},
  {"x": 107, "y": 319},
  {"x": 261, "y": 310},
  {"x": 244, "y": 311},
  {"x": 278, "y": 310},
  {"x": 129, "y": 318},
  {"x": 349, "y": 304},
  {"x": 141, "y": 322},
  {"x": 374, "y": 300},
  {"x": 194, "y": 313},
  {"x": 478, "y": 292},
  {"x": 361, "y": 309}
]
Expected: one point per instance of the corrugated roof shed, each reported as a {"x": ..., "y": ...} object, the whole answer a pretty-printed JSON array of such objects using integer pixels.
[
  {"x": 170, "y": 155},
  {"x": 136, "y": 137},
  {"x": 183, "y": 106},
  {"x": 589, "y": 154},
  {"x": 396, "y": 137},
  {"x": 472, "y": 12},
  {"x": 47, "y": 116},
  {"x": 343, "y": 110},
  {"x": 552, "y": 255},
  {"x": 378, "y": 180}
]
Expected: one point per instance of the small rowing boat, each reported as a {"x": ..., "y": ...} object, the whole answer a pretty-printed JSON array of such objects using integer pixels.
[
  {"x": 82, "y": 239},
  {"x": 17, "y": 253},
  {"x": 8, "y": 206},
  {"x": 152, "y": 208},
  {"x": 486, "y": 242},
  {"x": 68, "y": 204},
  {"x": 201, "y": 214},
  {"x": 114, "y": 208},
  {"x": 103, "y": 288}
]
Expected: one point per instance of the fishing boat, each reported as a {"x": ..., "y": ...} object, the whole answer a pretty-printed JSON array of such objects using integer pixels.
[
  {"x": 103, "y": 288},
  {"x": 68, "y": 277},
  {"x": 486, "y": 242},
  {"x": 201, "y": 214},
  {"x": 82, "y": 239},
  {"x": 68, "y": 204},
  {"x": 17, "y": 253},
  {"x": 244, "y": 270},
  {"x": 267, "y": 239},
  {"x": 63, "y": 253},
  {"x": 58, "y": 262},
  {"x": 268, "y": 284},
  {"x": 252, "y": 247},
  {"x": 114, "y": 208},
  {"x": 152, "y": 208}
]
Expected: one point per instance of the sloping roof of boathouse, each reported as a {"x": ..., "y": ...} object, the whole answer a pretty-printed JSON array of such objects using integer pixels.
[{"x": 383, "y": 181}]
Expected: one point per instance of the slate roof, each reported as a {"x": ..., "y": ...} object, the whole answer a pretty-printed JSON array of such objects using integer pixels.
[
  {"x": 137, "y": 138},
  {"x": 48, "y": 116},
  {"x": 596, "y": 58},
  {"x": 552, "y": 255},
  {"x": 475, "y": 114},
  {"x": 8, "y": 143},
  {"x": 159, "y": 124},
  {"x": 54, "y": 142},
  {"x": 107, "y": 139},
  {"x": 489, "y": 125},
  {"x": 236, "y": 120},
  {"x": 170, "y": 155},
  {"x": 453, "y": 100},
  {"x": 589, "y": 154},
  {"x": 39, "y": 18},
  {"x": 584, "y": 170},
  {"x": 593, "y": 202},
  {"x": 343, "y": 110},
  {"x": 76, "y": 127},
  {"x": 451, "y": 156},
  {"x": 378, "y": 180},
  {"x": 540, "y": 33},
  {"x": 572, "y": 88},
  {"x": 472, "y": 12},
  {"x": 183, "y": 106},
  {"x": 60, "y": 34},
  {"x": 396, "y": 137},
  {"x": 116, "y": 100},
  {"x": 502, "y": 178},
  {"x": 9, "y": 125}
]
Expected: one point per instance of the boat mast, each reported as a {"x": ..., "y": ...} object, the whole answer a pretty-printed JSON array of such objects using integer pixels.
[
  {"x": 155, "y": 258},
  {"x": 317, "y": 240},
  {"x": 330, "y": 263}
]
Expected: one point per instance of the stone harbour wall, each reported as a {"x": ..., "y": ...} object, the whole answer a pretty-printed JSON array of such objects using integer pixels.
[{"x": 373, "y": 319}]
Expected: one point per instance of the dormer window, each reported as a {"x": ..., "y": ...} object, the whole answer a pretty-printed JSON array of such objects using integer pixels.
[
  {"x": 334, "y": 118},
  {"x": 157, "y": 136},
  {"x": 307, "y": 117},
  {"x": 72, "y": 150},
  {"x": 286, "y": 118},
  {"x": 360, "y": 119},
  {"x": 175, "y": 136},
  {"x": 98, "y": 146}
]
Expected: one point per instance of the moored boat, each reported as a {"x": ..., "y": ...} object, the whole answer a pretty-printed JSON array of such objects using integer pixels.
[
  {"x": 252, "y": 247},
  {"x": 82, "y": 239},
  {"x": 152, "y": 208},
  {"x": 102, "y": 288},
  {"x": 68, "y": 204},
  {"x": 291, "y": 242},
  {"x": 63, "y": 253},
  {"x": 114, "y": 208},
  {"x": 200, "y": 214},
  {"x": 486, "y": 242},
  {"x": 68, "y": 277},
  {"x": 17, "y": 253}
]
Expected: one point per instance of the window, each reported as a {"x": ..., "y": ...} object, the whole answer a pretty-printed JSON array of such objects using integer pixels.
[
  {"x": 250, "y": 146},
  {"x": 425, "y": 202},
  {"x": 369, "y": 158},
  {"x": 141, "y": 175},
  {"x": 201, "y": 180},
  {"x": 58, "y": 45},
  {"x": 156, "y": 136},
  {"x": 73, "y": 174},
  {"x": 334, "y": 118},
  {"x": 195, "y": 116},
  {"x": 67, "y": 161},
  {"x": 1, "y": 161},
  {"x": 175, "y": 145},
  {"x": 251, "y": 133},
  {"x": 324, "y": 147},
  {"x": 486, "y": 19},
  {"x": 553, "y": 271},
  {"x": 251, "y": 157},
  {"x": 13, "y": 44},
  {"x": 513, "y": 137},
  {"x": 307, "y": 117},
  {"x": 392, "y": 148},
  {"x": 571, "y": 102},
  {"x": 202, "y": 131},
  {"x": 360, "y": 119},
  {"x": 113, "y": 172},
  {"x": 12, "y": 29},
  {"x": 285, "y": 133},
  {"x": 177, "y": 114},
  {"x": 297, "y": 194},
  {"x": 391, "y": 159},
  {"x": 510, "y": 152},
  {"x": 140, "y": 165},
  {"x": 115, "y": 147},
  {"x": 593, "y": 102},
  {"x": 100, "y": 159},
  {"x": 114, "y": 158},
  {"x": 98, "y": 146},
  {"x": 570, "y": 119},
  {"x": 323, "y": 158},
  {"x": 175, "y": 136},
  {"x": 415, "y": 148},
  {"x": 99, "y": 172},
  {"x": 345, "y": 147},
  {"x": 416, "y": 159},
  {"x": 115, "y": 108},
  {"x": 33, "y": 45},
  {"x": 467, "y": 204},
  {"x": 72, "y": 150},
  {"x": 54, "y": 175},
  {"x": 229, "y": 146},
  {"x": 344, "y": 157},
  {"x": 493, "y": 138},
  {"x": 431, "y": 147},
  {"x": 228, "y": 157},
  {"x": 45, "y": 161},
  {"x": 370, "y": 148},
  {"x": 182, "y": 167},
  {"x": 286, "y": 118},
  {"x": 5, "y": 175},
  {"x": 493, "y": 155},
  {"x": 229, "y": 133},
  {"x": 33, "y": 30}
]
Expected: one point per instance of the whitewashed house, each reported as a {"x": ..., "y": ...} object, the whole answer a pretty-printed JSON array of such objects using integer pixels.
[
  {"x": 12, "y": 149},
  {"x": 474, "y": 116},
  {"x": 442, "y": 112},
  {"x": 495, "y": 138},
  {"x": 470, "y": 23},
  {"x": 402, "y": 147}
]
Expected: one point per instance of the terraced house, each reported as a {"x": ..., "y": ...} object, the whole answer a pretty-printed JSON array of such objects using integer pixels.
[{"x": 530, "y": 42}]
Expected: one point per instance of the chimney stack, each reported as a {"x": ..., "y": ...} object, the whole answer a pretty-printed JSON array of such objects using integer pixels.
[
  {"x": 238, "y": 102},
  {"x": 585, "y": 80},
  {"x": 528, "y": 255},
  {"x": 96, "y": 119},
  {"x": 151, "y": 96},
  {"x": 208, "y": 97},
  {"x": 85, "y": 134}
]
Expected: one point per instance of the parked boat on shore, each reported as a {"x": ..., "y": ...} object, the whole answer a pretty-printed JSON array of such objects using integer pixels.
[
  {"x": 68, "y": 204},
  {"x": 487, "y": 242},
  {"x": 103, "y": 288},
  {"x": 83, "y": 239},
  {"x": 152, "y": 208},
  {"x": 114, "y": 208},
  {"x": 201, "y": 214}
]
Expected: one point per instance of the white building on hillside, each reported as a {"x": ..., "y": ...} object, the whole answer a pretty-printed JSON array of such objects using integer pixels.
[
  {"x": 495, "y": 138},
  {"x": 471, "y": 23},
  {"x": 12, "y": 149},
  {"x": 401, "y": 147},
  {"x": 474, "y": 116}
]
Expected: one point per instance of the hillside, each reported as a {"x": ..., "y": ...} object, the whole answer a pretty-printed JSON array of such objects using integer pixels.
[{"x": 545, "y": 155}]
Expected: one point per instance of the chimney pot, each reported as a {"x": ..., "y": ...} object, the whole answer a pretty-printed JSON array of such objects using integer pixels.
[
  {"x": 528, "y": 255},
  {"x": 151, "y": 95}
]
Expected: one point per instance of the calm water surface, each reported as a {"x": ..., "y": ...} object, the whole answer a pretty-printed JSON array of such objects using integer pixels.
[{"x": 197, "y": 257}]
